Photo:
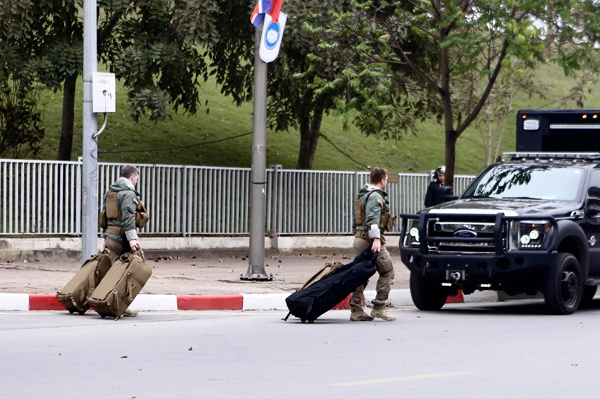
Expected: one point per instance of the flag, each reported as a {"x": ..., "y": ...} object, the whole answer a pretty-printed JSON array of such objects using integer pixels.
[
  {"x": 258, "y": 14},
  {"x": 275, "y": 9},
  {"x": 272, "y": 7}
]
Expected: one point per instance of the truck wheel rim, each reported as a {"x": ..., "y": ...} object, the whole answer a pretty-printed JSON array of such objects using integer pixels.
[{"x": 570, "y": 287}]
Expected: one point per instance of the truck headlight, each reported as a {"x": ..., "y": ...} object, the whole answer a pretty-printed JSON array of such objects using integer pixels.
[
  {"x": 529, "y": 234},
  {"x": 412, "y": 238}
]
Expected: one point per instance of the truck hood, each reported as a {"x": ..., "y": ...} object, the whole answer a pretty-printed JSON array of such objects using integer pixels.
[{"x": 510, "y": 207}]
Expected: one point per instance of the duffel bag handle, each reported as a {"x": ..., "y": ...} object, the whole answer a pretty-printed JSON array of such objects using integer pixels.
[
  {"x": 367, "y": 254},
  {"x": 137, "y": 252}
]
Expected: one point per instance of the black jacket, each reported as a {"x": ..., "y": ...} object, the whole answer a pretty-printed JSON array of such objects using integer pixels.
[{"x": 431, "y": 195}]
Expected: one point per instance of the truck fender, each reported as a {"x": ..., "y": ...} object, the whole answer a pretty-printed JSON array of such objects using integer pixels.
[{"x": 571, "y": 238}]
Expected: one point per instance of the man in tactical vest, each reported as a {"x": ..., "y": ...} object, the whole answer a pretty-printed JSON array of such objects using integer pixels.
[
  {"x": 371, "y": 218},
  {"x": 123, "y": 212},
  {"x": 122, "y": 204}
]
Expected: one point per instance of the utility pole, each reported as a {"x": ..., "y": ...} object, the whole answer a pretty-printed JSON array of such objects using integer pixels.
[
  {"x": 89, "y": 176},
  {"x": 256, "y": 266}
]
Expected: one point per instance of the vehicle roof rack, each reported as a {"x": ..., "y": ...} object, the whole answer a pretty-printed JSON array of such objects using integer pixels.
[{"x": 580, "y": 156}]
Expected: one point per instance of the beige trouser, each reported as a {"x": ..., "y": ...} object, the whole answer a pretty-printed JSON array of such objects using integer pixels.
[
  {"x": 116, "y": 248},
  {"x": 385, "y": 268}
]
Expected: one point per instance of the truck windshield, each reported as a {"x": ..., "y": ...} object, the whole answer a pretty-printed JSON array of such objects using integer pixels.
[{"x": 545, "y": 182}]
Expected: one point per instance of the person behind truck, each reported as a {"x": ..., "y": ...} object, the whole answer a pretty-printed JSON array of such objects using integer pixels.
[
  {"x": 431, "y": 197},
  {"x": 371, "y": 219}
]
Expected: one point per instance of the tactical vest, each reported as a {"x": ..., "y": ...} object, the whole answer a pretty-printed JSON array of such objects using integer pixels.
[
  {"x": 386, "y": 221},
  {"x": 113, "y": 211},
  {"x": 112, "y": 206}
]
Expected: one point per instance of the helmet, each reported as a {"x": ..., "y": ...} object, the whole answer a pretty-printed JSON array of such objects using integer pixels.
[{"x": 441, "y": 169}]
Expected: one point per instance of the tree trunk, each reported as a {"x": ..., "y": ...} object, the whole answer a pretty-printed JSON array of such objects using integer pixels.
[
  {"x": 451, "y": 138},
  {"x": 310, "y": 131},
  {"x": 488, "y": 147},
  {"x": 68, "y": 117}
]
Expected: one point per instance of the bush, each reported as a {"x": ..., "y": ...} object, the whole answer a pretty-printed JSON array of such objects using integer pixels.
[{"x": 21, "y": 128}]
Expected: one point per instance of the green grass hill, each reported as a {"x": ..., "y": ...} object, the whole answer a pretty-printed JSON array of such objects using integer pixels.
[{"x": 209, "y": 137}]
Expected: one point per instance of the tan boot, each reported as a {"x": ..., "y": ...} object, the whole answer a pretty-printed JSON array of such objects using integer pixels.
[
  {"x": 129, "y": 313},
  {"x": 360, "y": 315},
  {"x": 380, "y": 313}
]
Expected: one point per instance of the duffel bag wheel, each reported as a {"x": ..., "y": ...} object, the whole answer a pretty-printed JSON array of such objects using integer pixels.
[{"x": 71, "y": 311}]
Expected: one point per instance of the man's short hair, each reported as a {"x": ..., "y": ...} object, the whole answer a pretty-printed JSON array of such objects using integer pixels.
[
  {"x": 129, "y": 170},
  {"x": 377, "y": 175}
]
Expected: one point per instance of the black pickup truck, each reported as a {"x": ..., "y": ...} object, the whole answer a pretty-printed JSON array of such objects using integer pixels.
[{"x": 528, "y": 224}]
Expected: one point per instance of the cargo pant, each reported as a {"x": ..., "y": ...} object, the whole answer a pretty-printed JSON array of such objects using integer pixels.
[
  {"x": 385, "y": 269},
  {"x": 116, "y": 248}
]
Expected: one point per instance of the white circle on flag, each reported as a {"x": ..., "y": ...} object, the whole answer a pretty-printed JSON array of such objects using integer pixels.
[{"x": 272, "y": 35}]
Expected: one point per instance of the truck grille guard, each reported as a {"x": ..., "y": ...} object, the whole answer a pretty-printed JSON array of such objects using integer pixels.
[{"x": 483, "y": 233}]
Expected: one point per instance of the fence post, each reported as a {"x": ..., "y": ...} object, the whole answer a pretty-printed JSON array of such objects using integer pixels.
[
  {"x": 183, "y": 202},
  {"x": 276, "y": 202}
]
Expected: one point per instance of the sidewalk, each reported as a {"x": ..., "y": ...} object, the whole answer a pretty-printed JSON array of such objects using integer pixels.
[{"x": 189, "y": 283}]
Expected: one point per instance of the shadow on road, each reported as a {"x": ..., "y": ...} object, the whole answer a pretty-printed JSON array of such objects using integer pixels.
[{"x": 526, "y": 307}]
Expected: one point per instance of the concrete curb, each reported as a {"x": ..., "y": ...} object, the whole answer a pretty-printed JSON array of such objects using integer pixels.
[{"x": 146, "y": 302}]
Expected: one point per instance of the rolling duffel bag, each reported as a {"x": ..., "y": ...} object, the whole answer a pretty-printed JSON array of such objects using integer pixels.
[
  {"x": 74, "y": 295},
  {"x": 332, "y": 286},
  {"x": 121, "y": 285}
]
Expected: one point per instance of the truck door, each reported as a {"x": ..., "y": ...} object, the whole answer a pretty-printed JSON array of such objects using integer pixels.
[{"x": 592, "y": 224}]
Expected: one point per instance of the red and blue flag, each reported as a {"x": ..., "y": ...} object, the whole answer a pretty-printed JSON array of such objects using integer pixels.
[{"x": 272, "y": 7}]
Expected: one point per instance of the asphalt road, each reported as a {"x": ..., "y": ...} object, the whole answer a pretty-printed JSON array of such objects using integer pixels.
[{"x": 499, "y": 350}]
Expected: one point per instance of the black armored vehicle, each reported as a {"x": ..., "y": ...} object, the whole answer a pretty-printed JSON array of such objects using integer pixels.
[{"x": 528, "y": 224}]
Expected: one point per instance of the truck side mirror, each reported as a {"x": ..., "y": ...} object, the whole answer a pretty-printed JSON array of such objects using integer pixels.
[
  {"x": 592, "y": 204},
  {"x": 444, "y": 194},
  {"x": 594, "y": 192}
]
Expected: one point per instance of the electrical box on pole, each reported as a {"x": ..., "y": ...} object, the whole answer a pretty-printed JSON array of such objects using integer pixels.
[{"x": 104, "y": 90}]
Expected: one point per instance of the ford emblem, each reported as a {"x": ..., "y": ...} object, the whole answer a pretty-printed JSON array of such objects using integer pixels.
[{"x": 465, "y": 234}]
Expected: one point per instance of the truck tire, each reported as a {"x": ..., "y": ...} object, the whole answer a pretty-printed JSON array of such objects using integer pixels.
[
  {"x": 426, "y": 295},
  {"x": 563, "y": 285}
]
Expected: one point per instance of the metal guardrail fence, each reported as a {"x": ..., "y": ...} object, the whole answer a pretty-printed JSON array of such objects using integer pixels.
[{"x": 44, "y": 198}]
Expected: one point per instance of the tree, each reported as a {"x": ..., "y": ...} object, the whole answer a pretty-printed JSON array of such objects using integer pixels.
[
  {"x": 320, "y": 69},
  {"x": 303, "y": 83},
  {"x": 454, "y": 51},
  {"x": 512, "y": 81},
  {"x": 151, "y": 45},
  {"x": 20, "y": 120}
]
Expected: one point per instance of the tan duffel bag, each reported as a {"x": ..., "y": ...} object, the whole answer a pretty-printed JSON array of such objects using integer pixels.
[
  {"x": 74, "y": 295},
  {"x": 121, "y": 285}
]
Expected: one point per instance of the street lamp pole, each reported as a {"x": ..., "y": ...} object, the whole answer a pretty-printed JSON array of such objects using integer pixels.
[
  {"x": 256, "y": 266},
  {"x": 89, "y": 172}
]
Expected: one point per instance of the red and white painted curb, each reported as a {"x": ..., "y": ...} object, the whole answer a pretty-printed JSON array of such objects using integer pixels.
[{"x": 149, "y": 302}]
